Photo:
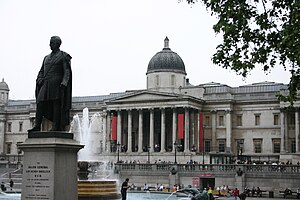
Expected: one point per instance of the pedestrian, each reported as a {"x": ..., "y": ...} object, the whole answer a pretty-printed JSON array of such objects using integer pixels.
[
  {"x": 124, "y": 189},
  {"x": 11, "y": 184},
  {"x": 210, "y": 193},
  {"x": 236, "y": 193}
]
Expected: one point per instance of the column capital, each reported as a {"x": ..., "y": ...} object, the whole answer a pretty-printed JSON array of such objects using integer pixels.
[{"x": 213, "y": 111}]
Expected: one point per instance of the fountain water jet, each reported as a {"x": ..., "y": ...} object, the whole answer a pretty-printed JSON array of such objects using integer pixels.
[{"x": 95, "y": 177}]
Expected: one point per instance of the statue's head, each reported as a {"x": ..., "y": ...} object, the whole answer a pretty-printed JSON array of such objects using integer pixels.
[{"x": 55, "y": 42}]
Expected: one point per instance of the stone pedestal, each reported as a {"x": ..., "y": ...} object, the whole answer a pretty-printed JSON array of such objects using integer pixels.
[{"x": 50, "y": 166}]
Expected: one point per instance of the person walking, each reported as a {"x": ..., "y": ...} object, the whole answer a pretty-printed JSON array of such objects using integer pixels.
[
  {"x": 124, "y": 188},
  {"x": 236, "y": 193},
  {"x": 11, "y": 184}
]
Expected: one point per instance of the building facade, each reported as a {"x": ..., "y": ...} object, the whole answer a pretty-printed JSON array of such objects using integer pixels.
[{"x": 199, "y": 120}]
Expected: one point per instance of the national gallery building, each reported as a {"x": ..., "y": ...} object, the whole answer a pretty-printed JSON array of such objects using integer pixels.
[{"x": 205, "y": 123}]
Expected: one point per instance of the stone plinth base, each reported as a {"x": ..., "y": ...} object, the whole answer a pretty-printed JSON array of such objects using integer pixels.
[{"x": 50, "y": 166}]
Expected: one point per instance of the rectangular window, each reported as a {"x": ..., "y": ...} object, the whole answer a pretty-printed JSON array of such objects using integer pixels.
[
  {"x": 172, "y": 79},
  {"x": 221, "y": 145},
  {"x": 291, "y": 119},
  {"x": 239, "y": 146},
  {"x": 276, "y": 145},
  {"x": 207, "y": 146},
  {"x": 293, "y": 146},
  {"x": 20, "y": 126},
  {"x": 239, "y": 121},
  {"x": 257, "y": 119},
  {"x": 8, "y": 148},
  {"x": 276, "y": 119},
  {"x": 221, "y": 120},
  {"x": 257, "y": 145},
  {"x": 157, "y": 80},
  {"x": 207, "y": 120},
  {"x": 9, "y": 127}
]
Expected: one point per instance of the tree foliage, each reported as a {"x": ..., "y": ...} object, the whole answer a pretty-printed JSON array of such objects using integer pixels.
[{"x": 258, "y": 33}]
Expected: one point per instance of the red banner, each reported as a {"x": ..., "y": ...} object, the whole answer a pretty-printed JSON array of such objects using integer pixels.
[
  {"x": 114, "y": 127},
  {"x": 201, "y": 137},
  {"x": 180, "y": 126}
]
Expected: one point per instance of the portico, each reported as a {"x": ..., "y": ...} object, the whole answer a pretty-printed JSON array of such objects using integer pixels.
[{"x": 150, "y": 119}]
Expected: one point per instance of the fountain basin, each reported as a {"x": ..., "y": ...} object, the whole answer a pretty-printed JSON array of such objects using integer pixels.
[{"x": 97, "y": 189}]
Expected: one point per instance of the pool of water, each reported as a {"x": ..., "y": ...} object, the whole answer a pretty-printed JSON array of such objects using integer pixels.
[
  {"x": 153, "y": 196},
  {"x": 130, "y": 196},
  {"x": 10, "y": 196}
]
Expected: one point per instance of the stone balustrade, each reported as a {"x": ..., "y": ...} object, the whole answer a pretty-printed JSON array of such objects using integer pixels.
[{"x": 221, "y": 168}]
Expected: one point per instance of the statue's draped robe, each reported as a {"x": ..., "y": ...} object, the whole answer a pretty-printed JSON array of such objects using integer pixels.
[{"x": 55, "y": 70}]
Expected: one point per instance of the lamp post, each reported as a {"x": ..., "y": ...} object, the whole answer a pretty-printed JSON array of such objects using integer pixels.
[
  {"x": 149, "y": 148},
  {"x": 118, "y": 151},
  {"x": 175, "y": 148}
]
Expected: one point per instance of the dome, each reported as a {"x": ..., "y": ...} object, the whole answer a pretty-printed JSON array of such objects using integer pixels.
[
  {"x": 166, "y": 61},
  {"x": 3, "y": 85}
]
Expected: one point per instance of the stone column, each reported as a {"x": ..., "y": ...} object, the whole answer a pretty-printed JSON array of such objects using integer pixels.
[
  {"x": 2, "y": 133},
  {"x": 228, "y": 129},
  {"x": 214, "y": 130},
  {"x": 119, "y": 127},
  {"x": 187, "y": 131},
  {"x": 163, "y": 131},
  {"x": 174, "y": 129},
  {"x": 104, "y": 131},
  {"x": 140, "y": 144},
  {"x": 108, "y": 138},
  {"x": 282, "y": 131},
  {"x": 193, "y": 141},
  {"x": 286, "y": 132},
  {"x": 129, "y": 149},
  {"x": 197, "y": 131},
  {"x": 151, "y": 139},
  {"x": 297, "y": 129}
]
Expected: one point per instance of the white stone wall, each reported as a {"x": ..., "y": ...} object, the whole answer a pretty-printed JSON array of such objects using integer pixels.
[{"x": 162, "y": 81}]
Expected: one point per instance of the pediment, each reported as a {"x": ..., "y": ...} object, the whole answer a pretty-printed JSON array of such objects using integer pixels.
[{"x": 145, "y": 96}]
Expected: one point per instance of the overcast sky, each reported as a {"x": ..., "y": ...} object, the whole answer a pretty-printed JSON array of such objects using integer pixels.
[{"x": 111, "y": 42}]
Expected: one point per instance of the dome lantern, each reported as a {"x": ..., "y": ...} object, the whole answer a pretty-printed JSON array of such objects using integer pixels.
[{"x": 166, "y": 44}]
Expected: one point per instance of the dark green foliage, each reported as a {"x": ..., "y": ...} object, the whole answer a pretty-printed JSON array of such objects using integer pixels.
[{"x": 258, "y": 33}]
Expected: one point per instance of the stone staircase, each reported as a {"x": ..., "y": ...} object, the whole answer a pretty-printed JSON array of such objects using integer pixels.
[{"x": 7, "y": 174}]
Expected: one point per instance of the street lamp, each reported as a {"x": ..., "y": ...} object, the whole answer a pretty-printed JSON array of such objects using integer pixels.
[
  {"x": 175, "y": 148},
  {"x": 149, "y": 154},
  {"x": 118, "y": 151}
]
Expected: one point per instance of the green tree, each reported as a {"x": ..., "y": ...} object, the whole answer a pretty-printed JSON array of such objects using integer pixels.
[{"x": 258, "y": 33}]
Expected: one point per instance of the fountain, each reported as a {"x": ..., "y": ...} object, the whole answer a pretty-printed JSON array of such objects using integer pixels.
[{"x": 95, "y": 177}]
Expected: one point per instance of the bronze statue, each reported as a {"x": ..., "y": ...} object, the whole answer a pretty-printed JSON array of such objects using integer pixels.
[{"x": 54, "y": 88}]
